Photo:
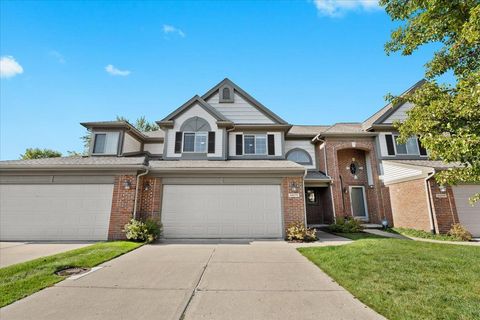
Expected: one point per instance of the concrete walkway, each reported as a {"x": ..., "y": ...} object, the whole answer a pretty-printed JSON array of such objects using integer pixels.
[
  {"x": 16, "y": 252},
  {"x": 258, "y": 280}
]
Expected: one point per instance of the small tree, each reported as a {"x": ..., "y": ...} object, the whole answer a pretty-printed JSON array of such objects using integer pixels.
[
  {"x": 37, "y": 153},
  {"x": 445, "y": 117}
]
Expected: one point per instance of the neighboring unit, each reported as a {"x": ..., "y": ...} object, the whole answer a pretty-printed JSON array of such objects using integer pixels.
[{"x": 225, "y": 166}]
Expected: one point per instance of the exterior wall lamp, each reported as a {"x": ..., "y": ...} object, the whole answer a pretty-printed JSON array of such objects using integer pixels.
[
  {"x": 146, "y": 186},
  {"x": 294, "y": 187},
  {"x": 127, "y": 184}
]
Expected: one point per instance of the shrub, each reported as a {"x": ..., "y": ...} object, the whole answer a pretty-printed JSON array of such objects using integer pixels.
[
  {"x": 141, "y": 231},
  {"x": 459, "y": 232},
  {"x": 346, "y": 225},
  {"x": 298, "y": 232}
]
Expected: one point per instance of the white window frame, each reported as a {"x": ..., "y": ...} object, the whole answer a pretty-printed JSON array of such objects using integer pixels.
[
  {"x": 395, "y": 136},
  {"x": 199, "y": 133},
  {"x": 263, "y": 135},
  {"x": 365, "y": 218},
  {"x": 94, "y": 135}
]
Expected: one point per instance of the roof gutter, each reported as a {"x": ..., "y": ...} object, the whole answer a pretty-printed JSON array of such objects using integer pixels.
[
  {"x": 70, "y": 167},
  {"x": 429, "y": 200}
]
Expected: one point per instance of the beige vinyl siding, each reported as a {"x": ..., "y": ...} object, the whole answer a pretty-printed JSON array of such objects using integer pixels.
[
  {"x": 240, "y": 111},
  {"x": 153, "y": 148},
  {"x": 305, "y": 145},
  {"x": 394, "y": 173},
  {"x": 130, "y": 144},
  {"x": 194, "y": 111},
  {"x": 400, "y": 114}
]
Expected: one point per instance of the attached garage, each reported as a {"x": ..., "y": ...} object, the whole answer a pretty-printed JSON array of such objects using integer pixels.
[
  {"x": 222, "y": 211},
  {"x": 468, "y": 215},
  {"x": 55, "y": 211}
]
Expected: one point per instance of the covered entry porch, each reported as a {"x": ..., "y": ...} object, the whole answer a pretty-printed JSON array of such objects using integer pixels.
[{"x": 318, "y": 199}]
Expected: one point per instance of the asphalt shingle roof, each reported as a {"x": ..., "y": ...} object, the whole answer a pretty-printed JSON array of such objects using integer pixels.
[
  {"x": 74, "y": 161},
  {"x": 436, "y": 164}
]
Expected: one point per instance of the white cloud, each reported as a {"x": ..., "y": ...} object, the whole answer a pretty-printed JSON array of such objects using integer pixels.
[
  {"x": 335, "y": 8},
  {"x": 9, "y": 67},
  {"x": 115, "y": 71},
  {"x": 171, "y": 29},
  {"x": 58, "y": 56}
]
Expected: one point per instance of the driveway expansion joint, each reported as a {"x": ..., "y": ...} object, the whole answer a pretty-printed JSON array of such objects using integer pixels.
[{"x": 184, "y": 311}]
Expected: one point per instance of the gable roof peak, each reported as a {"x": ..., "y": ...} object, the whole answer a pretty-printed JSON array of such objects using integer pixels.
[{"x": 270, "y": 114}]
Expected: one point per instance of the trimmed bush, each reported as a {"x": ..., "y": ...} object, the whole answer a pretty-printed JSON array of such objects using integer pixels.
[
  {"x": 346, "y": 225},
  {"x": 148, "y": 231},
  {"x": 459, "y": 232},
  {"x": 298, "y": 232}
]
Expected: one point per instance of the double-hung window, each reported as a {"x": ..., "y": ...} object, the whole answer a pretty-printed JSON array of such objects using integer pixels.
[
  {"x": 195, "y": 142},
  {"x": 410, "y": 147},
  {"x": 255, "y": 144}
]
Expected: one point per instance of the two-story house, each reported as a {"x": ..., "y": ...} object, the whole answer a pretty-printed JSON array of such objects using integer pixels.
[{"x": 223, "y": 165}]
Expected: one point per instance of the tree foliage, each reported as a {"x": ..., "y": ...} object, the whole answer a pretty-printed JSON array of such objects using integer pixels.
[
  {"x": 141, "y": 124},
  {"x": 446, "y": 117},
  {"x": 37, "y": 153}
]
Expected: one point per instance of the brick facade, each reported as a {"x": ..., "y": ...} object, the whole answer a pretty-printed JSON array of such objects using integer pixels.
[
  {"x": 149, "y": 198},
  {"x": 410, "y": 205},
  {"x": 123, "y": 202},
  {"x": 293, "y": 207},
  {"x": 340, "y": 152},
  {"x": 444, "y": 209}
]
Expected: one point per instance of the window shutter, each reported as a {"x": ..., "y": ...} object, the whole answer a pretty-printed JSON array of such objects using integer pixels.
[
  {"x": 239, "y": 144},
  {"x": 390, "y": 148},
  {"x": 178, "y": 142},
  {"x": 211, "y": 142},
  {"x": 271, "y": 144},
  {"x": 423, "y": 151}
]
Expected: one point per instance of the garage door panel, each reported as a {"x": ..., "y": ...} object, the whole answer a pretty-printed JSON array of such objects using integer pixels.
[
  {"x": 55, "y": 212},
  {"x": 221, "y": 211},
  {"x": 468, "y": 215}
]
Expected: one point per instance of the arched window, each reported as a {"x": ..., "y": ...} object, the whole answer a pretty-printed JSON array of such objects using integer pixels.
[
  {"x": 226, "y": 94},
  {"x": 195, "y": 124},
  {"x": 299, "y": 156}
]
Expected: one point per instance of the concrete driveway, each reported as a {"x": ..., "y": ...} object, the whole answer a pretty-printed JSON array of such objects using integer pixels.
[
  {"x": 260, "y": 280},
  {"x": 16, "y": 252}
]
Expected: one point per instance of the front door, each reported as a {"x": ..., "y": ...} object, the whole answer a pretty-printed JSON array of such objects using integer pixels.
[
  {"x": 358, "y": 202},
  {"x": 314, "y": 206}
]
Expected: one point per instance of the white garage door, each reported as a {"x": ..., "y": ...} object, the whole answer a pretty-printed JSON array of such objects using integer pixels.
[
  {"x": 221, "y": 211},
  {"x": 469, "y": 215},
  {"x": 55, "y": 211}
]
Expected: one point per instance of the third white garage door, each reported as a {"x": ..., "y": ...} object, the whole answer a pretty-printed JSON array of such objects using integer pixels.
[
  {"x": 222, "y": 211},
  {"x": 468, "y": 215}
]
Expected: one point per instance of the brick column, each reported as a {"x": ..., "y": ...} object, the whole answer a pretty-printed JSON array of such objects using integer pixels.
[
  {"x": 122, "y": 206},
  {"x": 293, "y": 207},
  {"x": 444, "y": 208},
  {"x": 149, "y": 198}
]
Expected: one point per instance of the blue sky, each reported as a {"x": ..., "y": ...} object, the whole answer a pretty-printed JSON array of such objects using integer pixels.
[{"x": 310, "y": 62}]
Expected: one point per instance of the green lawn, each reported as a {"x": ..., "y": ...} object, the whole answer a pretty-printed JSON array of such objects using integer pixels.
[
  {"x": 23, "y": 279},
  {"x": 404, "y": 279}
]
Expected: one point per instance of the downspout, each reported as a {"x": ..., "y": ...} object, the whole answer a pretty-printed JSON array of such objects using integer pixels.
[
  {"x": 317, "y": 137},
  {"x": 304, "y": 198},
  {"x": 429, "y": 200},
  {"x": 136, "y": 193}
]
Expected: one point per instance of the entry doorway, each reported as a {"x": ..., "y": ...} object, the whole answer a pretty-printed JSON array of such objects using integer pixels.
[
  {"x": 317, "y": 205},
  {"x": 358, "y": 202}
]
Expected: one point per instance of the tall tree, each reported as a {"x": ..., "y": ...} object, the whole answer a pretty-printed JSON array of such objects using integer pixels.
[
  {"x": 446, "y": 117},
  {"x": 37, "y": 153}
]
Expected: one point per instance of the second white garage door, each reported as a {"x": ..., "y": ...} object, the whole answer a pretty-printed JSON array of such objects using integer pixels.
[
  {"x": 468, "y": 215},
  {"x": 222, "y": 211}
]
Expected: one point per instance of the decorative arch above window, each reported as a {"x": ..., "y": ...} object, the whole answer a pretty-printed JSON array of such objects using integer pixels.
[
  {"x": 299, "y": 156},
  {"x": 195, "y": 124},
  {"x": 226, "y": 94}
]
